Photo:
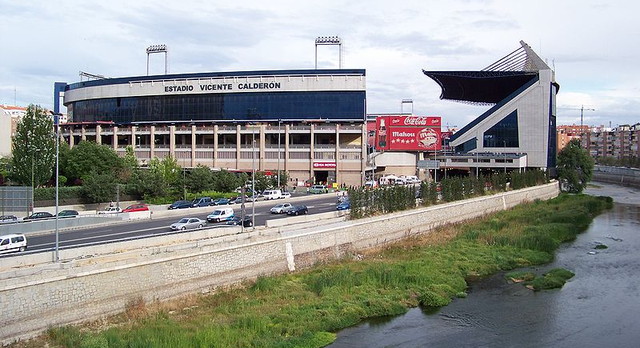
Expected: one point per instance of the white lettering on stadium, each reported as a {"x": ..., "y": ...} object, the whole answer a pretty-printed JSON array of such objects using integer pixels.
[
  {"x": 216, "y": 87},
  {"x": 178, "y": 88},
  {"x": 224, "y": 87},
  {"x": 261, "y": 85}
]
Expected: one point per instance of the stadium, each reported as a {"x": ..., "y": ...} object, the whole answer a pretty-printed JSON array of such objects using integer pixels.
[{"x": 308, "y": 123}]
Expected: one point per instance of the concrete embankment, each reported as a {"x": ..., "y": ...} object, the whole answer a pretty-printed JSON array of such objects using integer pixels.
[{"x": 98, "y": 282}]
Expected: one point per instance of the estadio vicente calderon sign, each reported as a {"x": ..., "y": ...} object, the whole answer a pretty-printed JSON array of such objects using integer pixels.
[{"x": 408, "y": 133}]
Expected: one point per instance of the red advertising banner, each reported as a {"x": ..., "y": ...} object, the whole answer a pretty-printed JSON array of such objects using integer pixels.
[{"x": 408, "y": 133}]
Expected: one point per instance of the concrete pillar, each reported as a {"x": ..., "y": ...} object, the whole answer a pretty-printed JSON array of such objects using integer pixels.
[
  {"x": 98, "y": 134},
  {"x": 238, "y": 146},
  {"x": 193, "y": 145},
  {"x": 337, "y": 156},
  {"x": 115, "y": 138},
  {"x": 172, "y": 141},
  {"x": 134, "y": 141},
  {"x": 83, "y": 133},
  {"x": 312, "y": 149},
  {"x": 215, "y": 146},
  {"x": 152, "y": 142}
]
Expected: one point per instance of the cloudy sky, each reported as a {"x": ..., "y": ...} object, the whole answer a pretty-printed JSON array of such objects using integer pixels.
[{"x": 591, "y": 44}]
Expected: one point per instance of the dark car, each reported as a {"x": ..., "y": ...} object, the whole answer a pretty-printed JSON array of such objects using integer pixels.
[
  {"x": 297, "y": 210},
  {"x": 221, "y": 201},
  {"x": 247, "y": 222},
  {"x": 7, "y": 219},
  {"x": 39, "y": 215},
  {"x": 180, "y": 205},
  {"x": 201, "y": 202},
  {"x": 68, "y": 213}
]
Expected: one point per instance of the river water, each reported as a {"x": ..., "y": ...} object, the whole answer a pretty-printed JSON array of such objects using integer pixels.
[{"x": 598, "y": 307}]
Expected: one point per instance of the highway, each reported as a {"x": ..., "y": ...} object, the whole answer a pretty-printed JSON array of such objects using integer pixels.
[{"x": 160, "y": 226}]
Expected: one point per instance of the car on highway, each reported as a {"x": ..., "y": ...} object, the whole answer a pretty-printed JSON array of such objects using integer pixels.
[
  {"x": 8, "y": 219},
  {"x": 280, "y": 208},
  {"x": 246, "y": 222},
  {"x": 13, "y": 242},
  {"x": 318, "y": 189},
  {"x": 188, "y": 224},
  {"x": 180, "y": 205},
  {"x": 221, "y": 214},
  {"x": 135, "y": 207},
  {"x": 221, "y": 201},
  {"x": 297, "y": 210},
  {"x": 110, "y": 210},
  {"x": 286, "y": 194},
  {"x": 344, "y": 205},
  {"x": 201, "y": 202},
  {"x": 39, "y": 215},
  {"x": 68, "y": 213}
]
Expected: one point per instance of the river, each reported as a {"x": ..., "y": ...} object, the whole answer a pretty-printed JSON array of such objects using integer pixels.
[{"x": 598, "y": 307}]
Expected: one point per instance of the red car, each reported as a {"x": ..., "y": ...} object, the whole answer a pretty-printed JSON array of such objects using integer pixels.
[{"x": 135, "y": 207}]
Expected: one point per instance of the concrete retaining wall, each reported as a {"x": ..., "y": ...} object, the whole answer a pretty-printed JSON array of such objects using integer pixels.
[
  {"x": 83, "y": 289},
  {"x": 617, "y": 175}
]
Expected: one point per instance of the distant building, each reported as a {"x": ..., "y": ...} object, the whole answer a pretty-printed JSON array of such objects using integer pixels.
[
  {"x": 9, "y": 118},
  {"x": 564, "y": 134},
  {"x": 620, "y": 142}
]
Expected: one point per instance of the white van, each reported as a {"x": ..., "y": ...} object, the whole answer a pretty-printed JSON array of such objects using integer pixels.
[
  {"x": 13, "y": 242},
  {"x": 272, "y": 194},
  {"x": 221, "y": 214}
]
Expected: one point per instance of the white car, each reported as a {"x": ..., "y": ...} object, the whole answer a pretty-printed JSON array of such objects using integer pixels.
[
  {"x": 285, "y": 194},
  {"x": 187, "y": 224},
  {"x": 110, "y": 210},
  {"x": 13, "y": 242},
  {"x": 281, "y": 208}
]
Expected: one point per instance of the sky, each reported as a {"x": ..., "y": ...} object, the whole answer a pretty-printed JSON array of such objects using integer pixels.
[{"x": 591, "y": 45}]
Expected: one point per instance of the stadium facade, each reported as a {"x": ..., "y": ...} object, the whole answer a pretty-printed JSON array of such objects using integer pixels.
[
  {"x": 308, "y": 123},
  {"x": 518, "y": 131}
]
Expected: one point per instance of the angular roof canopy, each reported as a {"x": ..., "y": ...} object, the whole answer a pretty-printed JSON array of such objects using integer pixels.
[{"x": 493, "y": 83}]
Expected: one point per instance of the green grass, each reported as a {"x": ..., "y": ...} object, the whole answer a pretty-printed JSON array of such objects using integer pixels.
[{"x": 306, "y": 308}]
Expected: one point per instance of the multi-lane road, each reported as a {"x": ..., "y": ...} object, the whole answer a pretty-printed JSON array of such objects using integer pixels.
[{"x": 160, "y": 226}]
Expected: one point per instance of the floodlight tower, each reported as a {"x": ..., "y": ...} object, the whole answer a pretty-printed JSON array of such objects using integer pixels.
[
  {"x": 157, "y": 49},
  {"x": 330, "y": 40}
]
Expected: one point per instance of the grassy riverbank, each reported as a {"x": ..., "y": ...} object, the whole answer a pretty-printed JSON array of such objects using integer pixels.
[{"x": 305, "y": 308}]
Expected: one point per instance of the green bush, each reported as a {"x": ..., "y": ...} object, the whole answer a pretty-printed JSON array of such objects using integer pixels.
[{"x": 64, "y": 192}]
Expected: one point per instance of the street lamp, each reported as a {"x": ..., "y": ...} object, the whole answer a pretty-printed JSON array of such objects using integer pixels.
[
  {"x": 253, "y": 179},
  {"x": 56, "y": 120},
  {"x": 278, "y": 175}
]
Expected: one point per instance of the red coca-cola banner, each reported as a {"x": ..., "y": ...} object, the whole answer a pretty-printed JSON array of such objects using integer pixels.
[{"x": 408, "y": 133}]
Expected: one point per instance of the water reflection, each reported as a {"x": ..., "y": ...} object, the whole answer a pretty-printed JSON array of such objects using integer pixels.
[{"x": 596, "y": 308}]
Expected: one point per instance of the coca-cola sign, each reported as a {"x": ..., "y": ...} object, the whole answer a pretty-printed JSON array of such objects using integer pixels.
[{"x": 408, "y": 133}]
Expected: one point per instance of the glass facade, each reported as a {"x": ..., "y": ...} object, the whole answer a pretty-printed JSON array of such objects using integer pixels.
[
  {"x": 333, "y": 105},
  {"x": 503, "y": 133},
  {"x": 467, "y": 146}
]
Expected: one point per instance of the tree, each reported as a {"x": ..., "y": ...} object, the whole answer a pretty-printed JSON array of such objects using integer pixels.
[
  {"x": 167, "y": 170},
  {"x": 225, "y": 181},
  {"x": 200, "y": 179},
  {"x": 33, "y": 148},
  {"x": 98, "y": 187},
  {"x": 88, "y": 157},
  {"x": 575, "y": 167}
]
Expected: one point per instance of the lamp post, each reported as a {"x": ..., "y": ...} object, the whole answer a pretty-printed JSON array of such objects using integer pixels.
[
  {"x": 278, "y": 174},
  {"x": 56, "y": 120},
  {"x": 253, "y": 179}
]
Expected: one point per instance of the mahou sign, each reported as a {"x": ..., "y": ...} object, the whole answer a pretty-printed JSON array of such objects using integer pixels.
[{"x": 408, "y": 133}]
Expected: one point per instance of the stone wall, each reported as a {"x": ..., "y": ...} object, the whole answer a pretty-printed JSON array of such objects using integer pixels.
[
  {"x": 617, "y": 175},
  {"x": 94, "y": 289}
]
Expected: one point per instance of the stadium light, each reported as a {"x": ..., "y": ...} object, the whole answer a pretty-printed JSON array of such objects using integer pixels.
[
  {"x": 330, "y": 40},
  {"x": 157, "y": 49},
  {"x": 406, "y": 101}
]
